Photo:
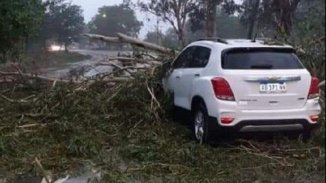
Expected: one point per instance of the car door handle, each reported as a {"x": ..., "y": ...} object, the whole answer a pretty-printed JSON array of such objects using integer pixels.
[
  {"x": 178, "y": 77},
  {"x": 197, "y": 75}
]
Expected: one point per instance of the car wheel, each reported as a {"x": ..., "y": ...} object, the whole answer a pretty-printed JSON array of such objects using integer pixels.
[
  {"x": 200, "y": 124},
  {"x": 307, "y": 135}
]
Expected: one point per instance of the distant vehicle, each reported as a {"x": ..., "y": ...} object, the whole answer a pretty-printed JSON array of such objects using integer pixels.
[
  {"x": 55, "y": 48},
  {"x": 243, "y": 86}
]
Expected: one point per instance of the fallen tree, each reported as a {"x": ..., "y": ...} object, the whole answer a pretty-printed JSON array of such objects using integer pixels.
[
  {"x": 122, "y": 38},
  {"x": 4, "y": 75},
  {"x": 122, "y": 129}
]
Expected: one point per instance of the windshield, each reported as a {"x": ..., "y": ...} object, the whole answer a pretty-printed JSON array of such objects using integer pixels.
[{"x": 258, "y": 58}]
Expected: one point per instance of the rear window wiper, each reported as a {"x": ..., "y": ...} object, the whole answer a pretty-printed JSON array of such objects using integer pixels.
[{"x": 262, "y": 66}]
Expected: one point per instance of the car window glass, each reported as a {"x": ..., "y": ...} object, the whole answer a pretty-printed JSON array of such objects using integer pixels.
[
  {"x": 200, "y": 57},
  {"x": 261, "y": 59},
  {"x": 184, "y": 58}
]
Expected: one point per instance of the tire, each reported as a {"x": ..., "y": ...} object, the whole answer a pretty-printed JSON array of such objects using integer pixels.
[
  {"x": 307, "y": 135},
  {"x": 200, "y": 118},
  {"x": 176, "y": 113}
]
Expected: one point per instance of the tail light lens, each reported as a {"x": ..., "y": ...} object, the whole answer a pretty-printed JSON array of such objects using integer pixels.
[
  {"x": 227, "y": 119},
  {"x": 222, "y": 89},
  {"x": 314, "y": 88},
  {"x": 314, "y": 118}
]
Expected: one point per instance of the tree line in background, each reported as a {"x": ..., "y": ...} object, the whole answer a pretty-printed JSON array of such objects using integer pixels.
[
  {"x": 35, "y": 23},
  {"x": 62, "y": 23},
  {"x": 19, "y": 20},
  {"x": 226, "y": 19},
  {"x": 38, "y": 23}
]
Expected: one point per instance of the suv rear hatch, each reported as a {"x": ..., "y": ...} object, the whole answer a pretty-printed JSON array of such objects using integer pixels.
[{"x": 266, "y": 78}]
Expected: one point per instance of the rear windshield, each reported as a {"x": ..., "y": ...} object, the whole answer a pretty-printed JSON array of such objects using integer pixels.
[{"x": 260, "y": 58}]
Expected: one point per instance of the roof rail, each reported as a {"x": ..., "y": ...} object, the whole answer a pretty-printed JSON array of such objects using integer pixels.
[{"x": 216, "y": 39}]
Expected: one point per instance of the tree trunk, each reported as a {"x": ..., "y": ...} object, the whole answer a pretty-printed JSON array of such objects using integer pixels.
[
  {"x": 253, "y": 19},
  {"x": 182, "y": 38},
  {"x": 66, "y": 47},
  {"x": 181, "y": 28},
  {"x": 284, "y": 10},
  {"x": 211, "y": 18},
  {"x": 122, "y": 38}
]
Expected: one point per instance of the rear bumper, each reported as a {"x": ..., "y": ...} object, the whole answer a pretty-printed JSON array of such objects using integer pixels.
[
  {"x": 219, "y": 108},
  {"x": 281, "y": 125}
]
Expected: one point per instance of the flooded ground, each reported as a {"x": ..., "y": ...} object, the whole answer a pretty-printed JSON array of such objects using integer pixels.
[{"x": 90, "y": 65}]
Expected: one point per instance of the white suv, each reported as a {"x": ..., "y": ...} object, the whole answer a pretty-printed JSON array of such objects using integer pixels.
[{"x": 243, "y": 86}]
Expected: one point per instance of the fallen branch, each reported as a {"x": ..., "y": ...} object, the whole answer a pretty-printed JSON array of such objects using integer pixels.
[
  {"x": 283, "y": 163},
  {"x": 31, "y": 76},
  {"x": 13, "y": 101},
  {"x": 128, "y": 59},
  {"x": 144, "y": 44},
  {"x": 38, "y": 163},
  {"x": 122, "y": 38},
  {"x": 29, "y": 125},
  {"x": 318, "y": 40},
  {"x": 119, "y": 79},
  {"x": 314, "y": 41},
  {"x": 114, "y": 95},
  {"x": 103, "y": 38},
  {"x": 6, "y": 98},
  {"x": 102, "y": 76},
  {"x": 120, "y": 68}
]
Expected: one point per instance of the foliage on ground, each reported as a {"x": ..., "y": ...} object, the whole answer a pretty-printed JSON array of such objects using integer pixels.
[{"x": 126, "y": 133}]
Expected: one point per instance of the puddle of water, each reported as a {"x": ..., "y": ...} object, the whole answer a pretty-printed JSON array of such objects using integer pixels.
[
  {"x": 98, "y": 70},
  {"x": 97, "y": 56}
]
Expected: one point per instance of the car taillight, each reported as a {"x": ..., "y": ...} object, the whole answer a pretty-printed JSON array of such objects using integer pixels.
[
  {"x": 314, "y": 118},
  {"x": 227, "y": 119},
  {"x": 222, "y": 89},
  {"x": 314, "y": 88}
]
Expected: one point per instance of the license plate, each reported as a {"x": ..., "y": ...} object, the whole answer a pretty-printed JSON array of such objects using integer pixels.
[{"x": 272, "y": 88}]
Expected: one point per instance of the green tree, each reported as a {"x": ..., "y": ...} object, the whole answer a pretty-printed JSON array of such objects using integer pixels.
[
  {"x": 71, "y": 24},
  {"x": 274, "y": 17},
  {"x": 113, "y": 19},
  {"x": 174, "y": 12},
  {"x": 167, "y": 39},
  {"x": 228, "y": 27},
  {"x": 250, "y": 16},
  {"x": 19, "y": 21},
  {"x": 308, "y": 34},
  {"x": 204, "y": 15},
  {"x": 309, "y": 20},
  {"x": 171, "y": 39},
  {"x": 154, "y": 37},
  {"x": 63, "y": 23}
]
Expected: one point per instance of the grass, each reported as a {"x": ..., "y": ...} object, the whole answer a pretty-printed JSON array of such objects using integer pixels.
[{"x": 124, "y": 133}]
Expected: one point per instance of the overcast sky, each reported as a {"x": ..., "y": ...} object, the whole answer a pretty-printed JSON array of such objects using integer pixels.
[{"x": 90, "y": 8}]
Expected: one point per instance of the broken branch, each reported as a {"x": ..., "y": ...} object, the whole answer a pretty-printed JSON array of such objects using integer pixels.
[
  {"x": 144, "y": 44},
  {"x": 103, "y": 38},
  {"x": 31, "y": 76},
  {"x": 122, "y": 38}
]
